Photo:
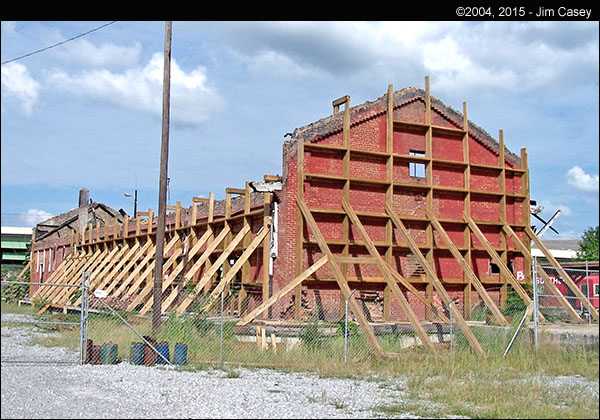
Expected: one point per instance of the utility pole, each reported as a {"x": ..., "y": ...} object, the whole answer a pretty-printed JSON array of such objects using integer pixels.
[{"x": 162, "y": 188}]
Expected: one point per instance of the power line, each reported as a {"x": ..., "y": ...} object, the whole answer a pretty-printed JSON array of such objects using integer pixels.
[{"x": 60, "y": 43}]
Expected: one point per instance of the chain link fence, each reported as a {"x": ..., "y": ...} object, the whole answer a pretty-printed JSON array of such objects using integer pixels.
[
  {"x": 64, "y": 331},
  {"x": 550, "y": 303},
  {"x": 209, "y": 331}
]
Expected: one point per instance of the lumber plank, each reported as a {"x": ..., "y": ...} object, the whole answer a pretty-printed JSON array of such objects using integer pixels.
[
  {"x": 147, "y": 253},
  {"x": 61, "y": 294},
  {"x": 467, "y": 270},
  {"x": 414, "y": 321},
  {"x": 566, "y": 278},
  {"x": 283, "y": 291},
  {"x": 339, "y": 277},
  {"x": 211, "y": 246},
  {"x": 496, "y": 258},
  {"x": 561, "y": 299},
  {"x": 238, "y": 265},
  {"x": 436, "y": 282},
  {"x": 146, "y": 274},
  {"x": 99, "y": 278},
  {"x": 213, "y": 269},
  {"x": 168, "y": 279}
]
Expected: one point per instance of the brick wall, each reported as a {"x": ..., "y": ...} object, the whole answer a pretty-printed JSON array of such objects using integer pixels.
[{"x": 368, "y": 132}]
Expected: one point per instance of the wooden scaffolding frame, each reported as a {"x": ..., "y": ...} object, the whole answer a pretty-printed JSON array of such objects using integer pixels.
[
  {"x": 499, "y": 254},
  {"x": 122, "y": 263}
]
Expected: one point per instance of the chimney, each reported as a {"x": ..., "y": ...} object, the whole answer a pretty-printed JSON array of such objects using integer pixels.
[
  {"x": 84, "y": 197},
  {"x": 82, "y": 213}
]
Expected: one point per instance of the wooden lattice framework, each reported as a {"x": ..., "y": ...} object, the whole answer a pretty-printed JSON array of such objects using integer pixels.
[
  {"x": 381, "y": 252},
  {"x": 121, "y": 262}
]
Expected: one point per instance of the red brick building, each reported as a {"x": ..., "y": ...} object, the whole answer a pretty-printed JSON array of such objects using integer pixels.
[
  {"x": 426, "y": 156},
  {"x": 404, "y": 157}
]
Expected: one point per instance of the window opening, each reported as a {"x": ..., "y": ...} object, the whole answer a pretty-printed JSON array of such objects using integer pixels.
[
  {"x": 416, "y": 169},
  {"x": 495, "y": 269}
]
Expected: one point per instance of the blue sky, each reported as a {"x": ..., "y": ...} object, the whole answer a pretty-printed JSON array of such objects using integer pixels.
[{"x": 87, "y": 113}]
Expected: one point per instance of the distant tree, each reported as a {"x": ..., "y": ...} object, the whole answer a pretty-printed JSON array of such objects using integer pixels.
[{"x": 588, "y": 245}]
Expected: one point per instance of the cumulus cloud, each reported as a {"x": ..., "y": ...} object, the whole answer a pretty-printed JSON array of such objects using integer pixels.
[
  {"x": 18, "y": 84},
  {"x": 192, "y": 99},
  {"x": 107, "y": 55},
  {"x": 471, "y": 55},
  {"x": 579, "y": 179},
  {"x": 34, "y": 216}
]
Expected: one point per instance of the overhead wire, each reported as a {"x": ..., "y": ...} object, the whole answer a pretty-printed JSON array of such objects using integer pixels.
[{"x": 59, "y": 43}]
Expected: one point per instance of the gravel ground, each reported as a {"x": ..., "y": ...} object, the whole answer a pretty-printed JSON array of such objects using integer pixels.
[
  {"x": 42, "y": 390},
  {"x": 132, "y": 391}
]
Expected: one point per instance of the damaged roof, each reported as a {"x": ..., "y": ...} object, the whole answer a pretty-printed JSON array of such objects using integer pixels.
[{"x": 326, "y": 126}]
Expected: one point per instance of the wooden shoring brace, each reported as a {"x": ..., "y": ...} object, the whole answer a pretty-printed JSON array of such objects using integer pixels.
[
  {"x": 147, "y": 253},
  {"x": 283, "y": 291},
  {"x": 55, "y": 278},
  {"x": 146, "y": 274},
  {"x": 566, "y": 278},
  {"x": 42, "y": 290},
  {"x": 24, "y": 270},
  {"x": 415, "y": 292},
  {"x": 170, "y": 278},
  {"x": 561, "y": 299},
  {"x": 57, "y": 275},
  {"x": 150, "y": 253},
  {"x": 76, "y": 277},
  {"x": 71, "y": 277},
  {"x": 339, "y": 278},
  {"x": 210, "y": 247},
  {"x": 499, "y": 262},
  {"x": 414, "y": 321},
  {"x": 97, "y": 279},
  {"x": 213, "y": 268},
  {"x": 116, "y": 269},
  {"x": 437, "y": 284},
  {"x": 100, "y": 268},
  {"x": 467, "y": 269},
  {"x": 238, "y": 265}
]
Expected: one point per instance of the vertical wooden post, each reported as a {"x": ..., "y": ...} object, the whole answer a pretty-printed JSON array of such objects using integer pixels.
[
  {"x": 429, "y": 175},
  {"x": 526, "y": 208},
  {"x": 502, "y": 187},
  {"x": 389, "y": 193},
  {"x": 467, "y": 291},
  {"x": 299, "y": 227},
  {"x": 162, "y": 193},
  {"x": 266, "y": 251}
]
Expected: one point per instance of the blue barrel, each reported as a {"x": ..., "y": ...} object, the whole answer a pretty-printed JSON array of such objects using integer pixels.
[
  {"x": 108, "y": 354},
  {"x": 137, "y": 353},
  {"x": 180, "y": 354},
  {"x": 163, "y": 350}
]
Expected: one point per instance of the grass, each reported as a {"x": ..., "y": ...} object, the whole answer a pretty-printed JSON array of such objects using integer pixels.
[{"x": 435, "y": 385}]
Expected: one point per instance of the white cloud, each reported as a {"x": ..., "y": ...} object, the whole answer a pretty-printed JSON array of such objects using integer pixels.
[
  {"x": 550, "y": 208},
  {"x": 577, "y": 178},
  {"x": 106, "y": 55},
  {"x": 192, "y": 99},
  {"x": 18, "y": 84},
  {"x": 34, "y": 216}
]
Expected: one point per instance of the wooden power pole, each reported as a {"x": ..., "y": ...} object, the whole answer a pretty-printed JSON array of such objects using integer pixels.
[{"x": 162, "y": 188}]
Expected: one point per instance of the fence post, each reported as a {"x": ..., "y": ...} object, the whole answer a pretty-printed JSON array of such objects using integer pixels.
[
  {"x": 221, "y": 335},
  {"x": 346, "y": 328},
  {"x": 82, "y": 343},
  {"x": 535, "y": 303},
  {"x": 587, "y": 278}
]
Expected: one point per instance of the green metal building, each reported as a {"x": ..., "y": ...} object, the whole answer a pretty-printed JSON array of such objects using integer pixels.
[{"x": 15, "y": 244}]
